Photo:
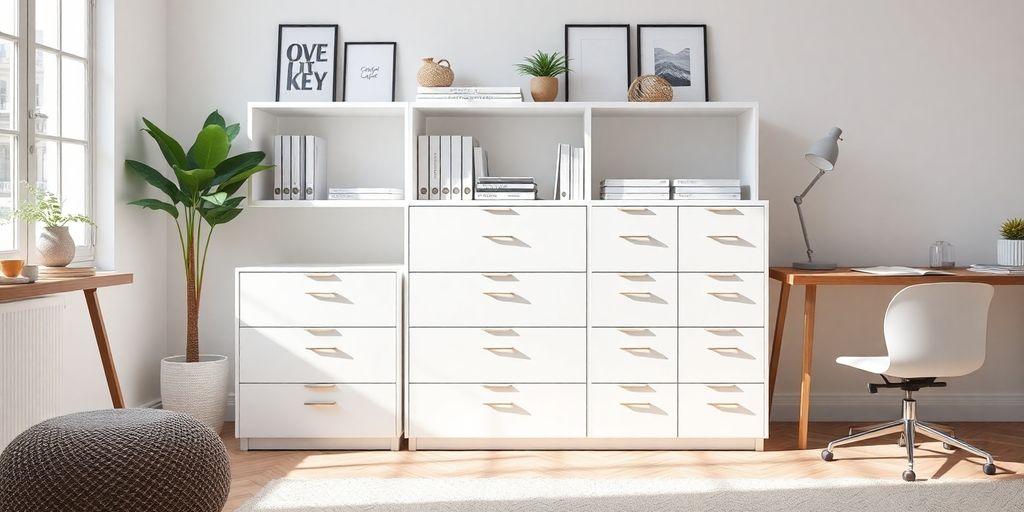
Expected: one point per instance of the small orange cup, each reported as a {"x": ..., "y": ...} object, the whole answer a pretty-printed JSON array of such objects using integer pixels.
[{"x": 12, "y": 268}]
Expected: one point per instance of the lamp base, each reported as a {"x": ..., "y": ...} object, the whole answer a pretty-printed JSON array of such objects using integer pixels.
[{"x": 813, "y": 265}]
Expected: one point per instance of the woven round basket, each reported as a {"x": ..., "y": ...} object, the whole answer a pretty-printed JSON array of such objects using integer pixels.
[
  {"x": 435, "y": 74},
  {"x": 650, "y": 88}
]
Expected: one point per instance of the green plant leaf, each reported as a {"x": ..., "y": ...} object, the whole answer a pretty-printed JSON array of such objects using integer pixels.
[
  {"x": 543, "y": 64},
  {"x": 222, "y": 217},
  {"x": 240, "y": 177},
  {"x": 155, "y": 178},
  {"x": 236, "y": 164},
  {"x": 216, "y": 198},
  {"x": 214, "y": 118},
  {"x": 232, "y": 131},
  {"x": 156, "y": 204},
  {"x": 211, "y": 147},
  {"x": 193, "y": 181},
  {"x": 170, "y": 148}
]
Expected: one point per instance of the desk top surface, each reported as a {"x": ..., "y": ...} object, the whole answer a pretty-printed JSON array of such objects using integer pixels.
[
  {"x": 846, "y": 276},
  {"x": 70, "y": 284}
]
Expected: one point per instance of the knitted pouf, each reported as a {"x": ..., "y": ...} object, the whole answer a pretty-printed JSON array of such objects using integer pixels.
[{"x": 116, "y": 460}]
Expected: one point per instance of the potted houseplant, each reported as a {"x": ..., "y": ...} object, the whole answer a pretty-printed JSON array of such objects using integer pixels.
[
  {"x": 55, "y": 245},
  {"x": 1010, "y": 248},
  {"x": 544, "y": 68},
  {"x": 202, "y": 198}
]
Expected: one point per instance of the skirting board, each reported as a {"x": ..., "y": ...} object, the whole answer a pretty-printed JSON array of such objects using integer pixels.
[
  {"x": 584, "y": 444},
  {"x": 937, "y": 405}
]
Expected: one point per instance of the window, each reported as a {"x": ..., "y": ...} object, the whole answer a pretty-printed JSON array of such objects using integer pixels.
[{"x": 45, "y": 112}]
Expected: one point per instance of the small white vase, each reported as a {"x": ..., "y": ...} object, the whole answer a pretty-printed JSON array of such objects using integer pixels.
[
  {"x": 1010, "y": 252},
  {"x": 56, "y": 247},
  {"x": 199, "y": 389}
]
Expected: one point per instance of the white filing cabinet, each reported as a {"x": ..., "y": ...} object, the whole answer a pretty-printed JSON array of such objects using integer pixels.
[{"x": 318, "y": 357}]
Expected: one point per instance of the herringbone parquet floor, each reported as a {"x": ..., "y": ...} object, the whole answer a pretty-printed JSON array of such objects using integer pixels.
[{"x": 879, "y": 458}]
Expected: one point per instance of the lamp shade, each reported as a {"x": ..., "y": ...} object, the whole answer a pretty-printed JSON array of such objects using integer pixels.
[{"x": 824, "y": 153}]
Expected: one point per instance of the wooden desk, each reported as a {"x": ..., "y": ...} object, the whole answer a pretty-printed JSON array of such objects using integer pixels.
[
  {"x": 790, "y": 277},
  {"x": 88, "y": 285}
]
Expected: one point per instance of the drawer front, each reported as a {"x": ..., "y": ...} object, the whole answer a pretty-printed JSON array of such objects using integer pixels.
[
  {"x": 494, "y": 410},
  {"x": 443, "y": 355},
  {"x": 729, "y": 239},
  {"x": 279, "y": 354},
  {"x": 633, "y": 354},
  {"x": 633, "y": 299},
  {"x": 633, "y": 238},
  {"x": 497, "y": 300},
  {"x": 721, "y": 410},
  {"x": 297, "y": 410},
  {"x": 721, "y": 299},
  {"x": 497, "y": 238},
  {"x": 632, "y": 410},
  {"x": 317, "y": 299},
  {"x": 721, "y": 355}
]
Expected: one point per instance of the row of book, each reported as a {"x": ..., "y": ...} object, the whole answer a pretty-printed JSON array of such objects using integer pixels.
[
  {"x": 363, "y": 193},
  {"x": 661, "y": 189},
  {"x": 447, "y": 167},
  {"x": 569, "y": 173},
  {"x": 300, "y": 167},
  {"x": 491, "y": 94},
  {"x": 505, "y": 188}
]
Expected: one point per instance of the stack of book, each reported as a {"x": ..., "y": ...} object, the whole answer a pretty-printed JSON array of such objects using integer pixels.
[
  {"x": 569, "y": 173},
  {"x": 447, "y": 166},
  {"x": 996, "y": 269},
  {"x": 502, "y": 94},
  {"x": 635, "y": 188},
  {"x": 359, "y": 193},
  {"x": 505, "y": 188},
  {"x": 300, "y": 167},
  {"x": 65, "y": 272},
  {"x": 688, "y": 188}
]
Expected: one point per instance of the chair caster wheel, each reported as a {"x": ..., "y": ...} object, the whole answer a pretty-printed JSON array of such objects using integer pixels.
[
  {"x": 909, "y": 475},
  {"x": 947, "y": 446},
  {"x": 826, "y": 456},
  {"x": 988, "y": 469}
]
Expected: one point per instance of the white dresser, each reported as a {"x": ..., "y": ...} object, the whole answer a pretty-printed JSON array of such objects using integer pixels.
[
  {"x": 317, "y": 354},
  {"x": 587, "y": 326}
]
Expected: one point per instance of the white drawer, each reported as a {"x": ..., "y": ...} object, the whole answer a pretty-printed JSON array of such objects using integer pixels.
[
  {"x": 317, "y": 299},
  {"x": 443, "y": 355},
  {"x": 632, "y": 410},
  {"x": 633, "y": 354},
  {"x": 520, "y": 238},
  {"x": 494, "y": 410},
  {"x": 633, "y": 238},
  {"x": 497, "y": 300},
  {"x": 280, "y": 354},
  {"x": 721, "y": 410},
  {"x": 718, "y": 354},
  {"x": 721, "y": 300},
  {"x": 297, "y": 410},
  {"x": 633, "y": 299},
  {"x": 725, "y": 238}
]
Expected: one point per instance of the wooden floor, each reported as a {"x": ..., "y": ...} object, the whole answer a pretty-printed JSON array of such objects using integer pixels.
[{"x": 880, "y": 458}]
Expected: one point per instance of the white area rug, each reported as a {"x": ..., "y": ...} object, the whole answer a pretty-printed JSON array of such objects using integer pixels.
[{"x": 654, "y": 495}]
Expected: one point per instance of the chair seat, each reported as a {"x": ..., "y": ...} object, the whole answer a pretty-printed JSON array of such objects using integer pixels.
[{"x": 873, "y": 364}]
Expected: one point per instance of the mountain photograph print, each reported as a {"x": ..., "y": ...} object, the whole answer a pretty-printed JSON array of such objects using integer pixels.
[
  {"x": 677, "y": 53},
  {"x": 673, "y": 66}
]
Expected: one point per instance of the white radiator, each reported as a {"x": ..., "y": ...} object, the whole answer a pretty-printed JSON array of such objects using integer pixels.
[{"x": 31, "y": 338}]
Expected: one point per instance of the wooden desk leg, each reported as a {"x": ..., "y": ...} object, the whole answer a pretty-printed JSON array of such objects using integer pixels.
[
  {"x": 780, "y": 326},
  {"x": 104, "y": 347},
  {"x": 810, "y": 294}
]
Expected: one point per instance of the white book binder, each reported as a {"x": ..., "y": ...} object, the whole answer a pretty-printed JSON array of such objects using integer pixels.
[
  {"x": 456, "y": 167},
  {"x": 446, "y": 167},
  {"x": 565, "y": 175},
  {"x": 468, "y": 145},
  {"x": 423, "y": 168},
  {"x": 435, "y": 167},
  {"x": 286, "y": 167},
  {"x": 577, "y": 160},
  {"x": 277, "y": 167},
  {"x": 297, "y": 160},
  {"x": 315, "y": 168}
]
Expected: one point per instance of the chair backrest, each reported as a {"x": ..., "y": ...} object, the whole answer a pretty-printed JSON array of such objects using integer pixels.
[{"x": 937, "y": 329}]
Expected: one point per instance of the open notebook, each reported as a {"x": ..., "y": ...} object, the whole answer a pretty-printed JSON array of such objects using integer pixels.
[{"x": 903, "y": 271}]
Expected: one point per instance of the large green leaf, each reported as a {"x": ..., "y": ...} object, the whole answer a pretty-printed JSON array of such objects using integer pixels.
[
  {"x": 156, "y": 204},
  {"x": 214, "y": 118},
  {"x": 232, "y": 130},
  {"x": 216, "y": 199},
  {"x": 244, "y": 175},
  {"x": 211, "y": 147},
  {"x": 213, "y": 212},
  {"x": 170, "y": 148},
  {"x": 236, "y": 164},
  {"x": 155, "y": 178},
  {"x": 222, "y": 217},
  {"x": 193, "y": 181}
]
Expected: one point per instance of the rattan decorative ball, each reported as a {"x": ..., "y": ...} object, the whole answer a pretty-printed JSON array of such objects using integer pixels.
[
  {"x": 435, "y": 74},
  {"x": 650, "y": 88}
]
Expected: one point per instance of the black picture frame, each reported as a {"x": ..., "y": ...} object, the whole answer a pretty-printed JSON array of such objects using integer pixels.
[
  {"x": 565, "y": 49},
  {"x": 334, "y": 56},
  {"x": 704, "y": 39},
  {"x": 394, "y": 65}
]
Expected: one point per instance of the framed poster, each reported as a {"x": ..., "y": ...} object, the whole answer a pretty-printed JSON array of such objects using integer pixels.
[
  {"x": 369, "y": 72},
  {"x": 677, "y": 53},
  {"x": 598, "y": 62},
  {"x": 307, "y": 57}
]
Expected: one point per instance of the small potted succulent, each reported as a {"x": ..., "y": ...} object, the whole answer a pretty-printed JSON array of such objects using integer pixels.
[
  {"x": 1010, "y": 249},
  {"x": 544, "y": 68},
  {"x": 55, "y": 245}
]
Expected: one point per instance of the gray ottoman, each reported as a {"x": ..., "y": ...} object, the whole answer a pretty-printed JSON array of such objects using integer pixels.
[{"x": 115, "y": 460}]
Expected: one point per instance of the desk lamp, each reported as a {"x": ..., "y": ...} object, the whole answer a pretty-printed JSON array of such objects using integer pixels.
[{"x": 823, "y": 155}]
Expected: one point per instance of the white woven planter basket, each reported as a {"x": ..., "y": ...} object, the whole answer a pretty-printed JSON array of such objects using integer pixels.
[
  {"x": 199, "y": 389},
  {"x": 1010, "y": 252}
]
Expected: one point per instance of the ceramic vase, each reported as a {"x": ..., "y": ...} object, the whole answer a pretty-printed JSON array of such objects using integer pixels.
[{"x": 56, "y": 247}]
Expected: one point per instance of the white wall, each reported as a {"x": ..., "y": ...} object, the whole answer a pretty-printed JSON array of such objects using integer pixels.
[{"x": 928, "y": 94}]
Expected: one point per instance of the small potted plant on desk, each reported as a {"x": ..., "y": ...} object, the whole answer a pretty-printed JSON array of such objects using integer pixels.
[
  {"x": 55, "y": 245},
  {"x": 1010, "y": 249},
  {"x": 544, "y": 68},
  {"x": 207, "y": 180}
]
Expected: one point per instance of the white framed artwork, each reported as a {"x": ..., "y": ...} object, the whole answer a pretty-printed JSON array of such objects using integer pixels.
[
  {"x": 677, "y": 53},
  {"x": 599, "y": 67},
  {"x": 369, "y": 72},
  {"x": 307, "y": 57}
]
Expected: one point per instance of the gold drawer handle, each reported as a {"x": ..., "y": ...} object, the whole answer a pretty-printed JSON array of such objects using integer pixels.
[
  {"x": 636, "y": 404},
  {"x": 323, "y": 295},
  {"x": 501, "y": 238},
  {"x": 725, "y": 295},
  {"x": 323, "y": 332},
  {"x": 633, "y": 238},
  {"x": 637, "y": 349},
  {"x": 501, "y": 295},
  {"x": 319, "y": 403},
  {"x": 725, "y": 238},
  {"x": 645, "y": 295},
  {"x": 634, "y": 209},
  {"x": 500, "y": 405},
  {"x": 319, "y": 386},
  {"x": 720, "y": 210},
  {"x": 725, "y": 405},
  {"x": 323, "y": 349},
  {"x": 500, "y": 349},
  {"x": 733, "y": 350}
]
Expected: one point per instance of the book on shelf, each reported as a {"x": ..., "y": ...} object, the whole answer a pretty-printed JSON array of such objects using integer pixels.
[
  {"x": 577, "y": 173},
  {"x": 635, "y": 190},
  {"x": 277, "y": 166},
  {"x": 456, "y": 168},
  {"x": 423, "y": 167},
  {"x": 989, "y": 268},
  {"x": 635, "y": 182},
  {"x": 507, "y": 187},
  {"x": 469, "y": 145},
  {"x": 505, "y": 179},
  {"x": 902, "y": 271},
  {"x": 481, "y": 194},
  {"x": 446, "y": 168},
  {"x": 683, "y": 195},
  {"x": 646, "y": 197},
  {"x": 511, "y": 98},
  {"x": 469, "y": 90},
  {"x": 365, "y": 190},
  {"x": 300, "y": 167},
  {"x": 706, "y": 182},
  {"x": 706, "y": 190},
  {"x": 568, "y": 173},
  {"x": 298, "y": 159},
  {"x": 435, "y": 167},
  {"x": 314, "y": 170},
  {"x": 285, "y": 171}
]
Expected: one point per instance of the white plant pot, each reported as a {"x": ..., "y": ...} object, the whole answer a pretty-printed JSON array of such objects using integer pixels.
[
  {"x": 199, "y": 389},
  {"x": 56, "y": 247},
  {"x": 1010, "y": 252}
]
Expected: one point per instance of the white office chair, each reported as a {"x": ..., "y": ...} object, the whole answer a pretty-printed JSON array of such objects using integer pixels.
[{"x": 931, "y": 331}]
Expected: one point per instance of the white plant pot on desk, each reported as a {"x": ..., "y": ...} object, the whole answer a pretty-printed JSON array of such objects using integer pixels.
[
  {"x": 1010, "y": 252},
  {"x": 56, "y": 247},
  {"x": 199, "y": 389}
]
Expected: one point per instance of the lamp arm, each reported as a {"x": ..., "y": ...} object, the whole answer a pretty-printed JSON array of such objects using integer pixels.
[{"x": 798, "y": 201}]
